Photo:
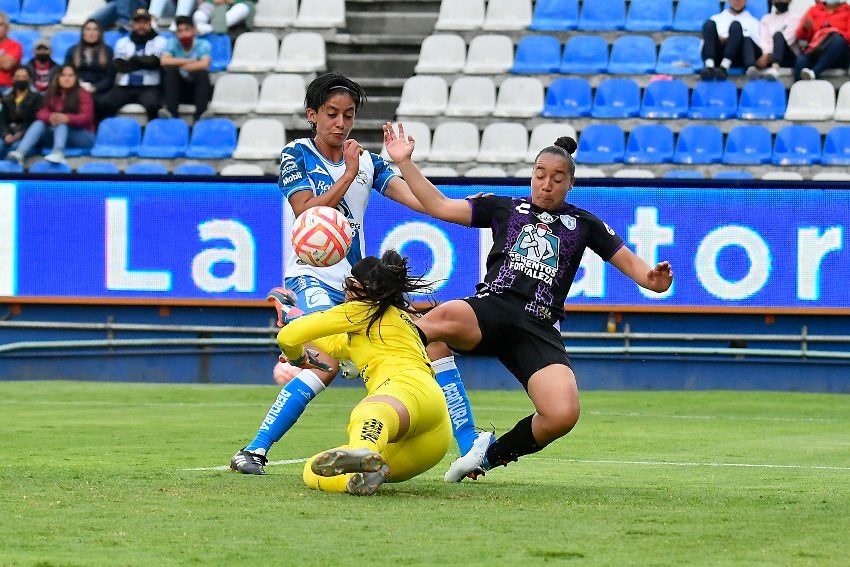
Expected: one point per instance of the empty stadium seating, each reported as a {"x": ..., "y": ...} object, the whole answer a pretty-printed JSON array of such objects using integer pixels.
[
  {"x": 455, "y": 141},
  {"x": 836, "y": 146},
  {"x": 713, "y": 100},
  {"x": 117, "y": 137},
  {"x": 748, "y": 145},
  {"x": 281, "y": 93},
  {"x": 460, "y": 15},
  {"x": 797, "y": 144},
  {"x": 537, "y": 54},
  {"x": 503, "y": 142},
  {"x": 762, "y": 100},
  {"x": 442, "y": 53},
  {"x": 616, "y": 98},
  {"x": 584, "y": 54},
  {"x": 164, "y": 138},
  {"x": 554, "y": 15},
  {"x": 519, "y": 97},
  {"x": 489, "y": 54},
  {"x": 602, "y": 16},
  {"x": 649, "y": 15},
  {"x": 213, "y": 138},
  {"x": 235, "y": 93},
  {"x": 601, "y": 143},
  {"x": 649, "y": 143},
  {"x": 699, "y": 144},
  {"x": 507, "y": 15},
  {"x": 665, "y": 99},
  {"x": 472, "y": 96},
  {"x": 632, "y": 55},
  {"x": 568, "y": 97}
]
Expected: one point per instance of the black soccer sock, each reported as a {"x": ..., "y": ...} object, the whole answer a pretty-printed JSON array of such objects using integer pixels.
[{"x": 515, "y": 443}]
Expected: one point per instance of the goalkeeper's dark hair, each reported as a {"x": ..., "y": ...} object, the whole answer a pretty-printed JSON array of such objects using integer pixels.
[
  {"x": 325, "y": 86},
  {"x": 384, "y": 282}
]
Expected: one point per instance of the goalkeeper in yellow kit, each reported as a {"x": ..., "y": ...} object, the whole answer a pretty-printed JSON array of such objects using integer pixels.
[{"x": 401, "y": 428}]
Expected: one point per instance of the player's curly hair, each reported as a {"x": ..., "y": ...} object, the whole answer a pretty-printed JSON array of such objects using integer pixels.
[
  {"x": 563, "y": 147},
  {"x": 384, "y": 282}
]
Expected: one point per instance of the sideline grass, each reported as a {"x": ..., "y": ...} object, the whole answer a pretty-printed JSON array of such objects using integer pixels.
[{"x": 95, "y": 474}]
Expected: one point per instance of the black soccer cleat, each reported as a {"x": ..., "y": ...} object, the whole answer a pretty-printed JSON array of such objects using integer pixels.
[{"x": 247, "y": 462}]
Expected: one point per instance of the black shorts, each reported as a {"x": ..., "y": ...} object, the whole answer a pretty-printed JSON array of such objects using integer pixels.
[{"x": 523, "y": 343}]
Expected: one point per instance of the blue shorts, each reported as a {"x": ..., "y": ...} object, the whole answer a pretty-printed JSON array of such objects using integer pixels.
[{"x": 313, "y": 294}]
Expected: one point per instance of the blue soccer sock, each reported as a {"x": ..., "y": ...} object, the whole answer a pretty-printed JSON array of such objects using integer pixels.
[
  {"x": 460, "y": 412},
  {"x": 285, "y": 411}
]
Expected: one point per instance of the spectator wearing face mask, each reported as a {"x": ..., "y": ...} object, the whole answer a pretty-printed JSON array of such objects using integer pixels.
[
  {"x": 17, "y": 110},
  {"x": 823, "y": 33},
  {"x": 778, "y": 39},
  {"x": 729, "y": 38},
  {"x": 185, "y": 70},
  {"x": 41, "y": 66}
]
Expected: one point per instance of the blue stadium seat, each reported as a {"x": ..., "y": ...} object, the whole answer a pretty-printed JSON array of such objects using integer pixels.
[
  {"x": 684, "y": 174},
  {"x": 26, "y": 38},
  {"x": 554, "y": 15},
  {"x": 41, "y": 12},
  {"x": 679, "y": 55},
  {"x": 7, "y": 166},
  {"x": 632, "y": 55},
  {"x": 699, "y": 144},
  {"x": 537, "y": 54},
  {"x": 568, "y": 97},
  {"x": 602, "y": 15},
  {"x": 692, "y": 14},
  {"x": 164, "y": 138},
  {"x": 748, "y": 145},
  {"x": 836, "y": 146},
  {"x": 585, "y": 55},
  {"x": 616, "y": 98},
  {"x": 762, "y": 100},
  {"x": 650, "y": 15},
  {"x": 142, "y": 168},
  {"x": 61, "y": 42},
  {"x": 733, "y": 174},
  {"x": 601, "y": 143},
  {"x": 649, "y": 143},
  {"x": 714, "y": 100},
  {"x": 797, "y": 144},
  {"x": 220, "y": 51},
  {"x": 111, "y": 37},
  {"x": 213, "y": 138},
  {"x": 69, "y": 152},
  {"x": 665, "y": 99},
  {"x": 757, "y": 8},
  {"x": 47, "y": 167},
  {"x": 194, "y": 169},
  {"x": 102, "y": 167},
  {"x": 117, "y": 137},
  {"x": 11, "y": 8}
]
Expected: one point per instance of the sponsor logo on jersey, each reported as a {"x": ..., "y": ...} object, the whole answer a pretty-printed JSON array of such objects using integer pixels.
[
  {"x": 371, "y": 430},
  {"x": 361, "y": 177},
  {"x": 545, "y": 217},
  {"x": 318, "y": 169},
  {"x": 288, "y": 167},
  {"x": 290, "y": 178},
  {"x": 535, "y": 252},
  {"x": 608, "y": 228},
  {"x": 317, "y": 297}
]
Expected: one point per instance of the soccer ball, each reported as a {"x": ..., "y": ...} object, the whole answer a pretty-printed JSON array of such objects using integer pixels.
[{"x": 321, "y": 236}]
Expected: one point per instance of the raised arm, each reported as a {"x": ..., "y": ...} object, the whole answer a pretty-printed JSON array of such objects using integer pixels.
[
  {"x": 434, "y": 203},
  {"x": 658, "y": 279}
]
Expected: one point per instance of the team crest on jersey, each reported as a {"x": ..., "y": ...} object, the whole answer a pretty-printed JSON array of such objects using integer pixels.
[
  {"x": 545, "y": 217},
  {"x": 569, "y": 221},
  {"x": 535, "y": 252},
  {"x": 361, "y": 177}
]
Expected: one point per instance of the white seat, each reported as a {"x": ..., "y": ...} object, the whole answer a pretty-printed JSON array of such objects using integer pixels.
[
  {"x": 800, "y": 6},
  {"x": 485, "y": 171},
  {"x": 507, "y": 15},
  {"x": 302, "y": 52},
  {"x": 842, "y": 105},
  {"x": 831, "y": 176},
  {"x": 472, "y": 96},
  {"x": 253, "y": 52},
  {"x": 460, "y": 15},
  {"x": 454, "y": 142},
  {"x": 275, "y": 14},
  {"x": 242, "y": 169},
  {"x": 503, "y": 142},
  {"x": 282, "y": 93},
  {"x": 544, "y": 135},
  {"x": 630, "y": 173},
  {"x": 320, "y": 14},
  {"x": 260, "y": 138},
  {"x": 78, "y": 11},
  {"x": 589, "y": 172},
  {"x": 489, "y": 54},
  {"x": 520, "y": 97},
  {"x": 439, "y": 171},
  {"x": 525, "y": 172},
  {"x": 421, "y": 135},
  {"x": 810, "y": 100},
  {"x": 441, "y": 53},
  {"x": 235, "y": 93},
  {"x": 423, "y": 95},
  {"x": 779, "y": 175}
]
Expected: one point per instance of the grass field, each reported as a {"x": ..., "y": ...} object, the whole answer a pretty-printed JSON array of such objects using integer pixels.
[{"x": 125, "y": 474}]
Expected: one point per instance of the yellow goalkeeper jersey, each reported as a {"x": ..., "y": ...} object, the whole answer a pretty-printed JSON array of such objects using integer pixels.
[{"x": 392, "y": 347}]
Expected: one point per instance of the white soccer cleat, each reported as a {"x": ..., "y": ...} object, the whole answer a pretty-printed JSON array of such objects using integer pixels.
[{"x": 472, "y": 460}]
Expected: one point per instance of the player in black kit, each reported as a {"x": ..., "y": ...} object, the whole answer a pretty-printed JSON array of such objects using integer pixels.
[{"x": 538, "y": 243}]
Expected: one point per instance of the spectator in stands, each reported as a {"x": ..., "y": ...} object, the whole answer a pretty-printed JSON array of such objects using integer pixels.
[
  {"x": 778, "y": 39},
  {"x": 181, "y": 8},
  {"x": 185, "y": 70},
  {"x": 729, "y": 38},
  {"x": 17, "y": 109},
  {"x": 824, "y": 33},
  {"x": 117, "y": 12},
  {"x": 92, "y": 59},
  {"x": 137, "y": 66},
  {"x": 217, "y": 16},
  {"x": 41, "y": 66},
  {"x": 66, "y": 119},
  {"x": 10, "y": 55}
]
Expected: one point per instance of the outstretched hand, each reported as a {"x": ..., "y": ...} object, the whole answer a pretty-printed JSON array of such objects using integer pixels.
[
  {"x": 660, "y": 278},
  {"x": 399, "y": 147},
  {"x": 310, "y": 360}
]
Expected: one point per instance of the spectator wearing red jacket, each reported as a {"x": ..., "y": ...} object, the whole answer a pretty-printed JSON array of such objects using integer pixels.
[
  {"x": 66, "y": 119},
  {"x": 10, "y": 55},
  {"x": 824, "y": 32}
]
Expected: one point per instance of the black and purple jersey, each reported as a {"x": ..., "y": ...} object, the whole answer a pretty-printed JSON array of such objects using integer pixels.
[{"x": 536, "y": 253}]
